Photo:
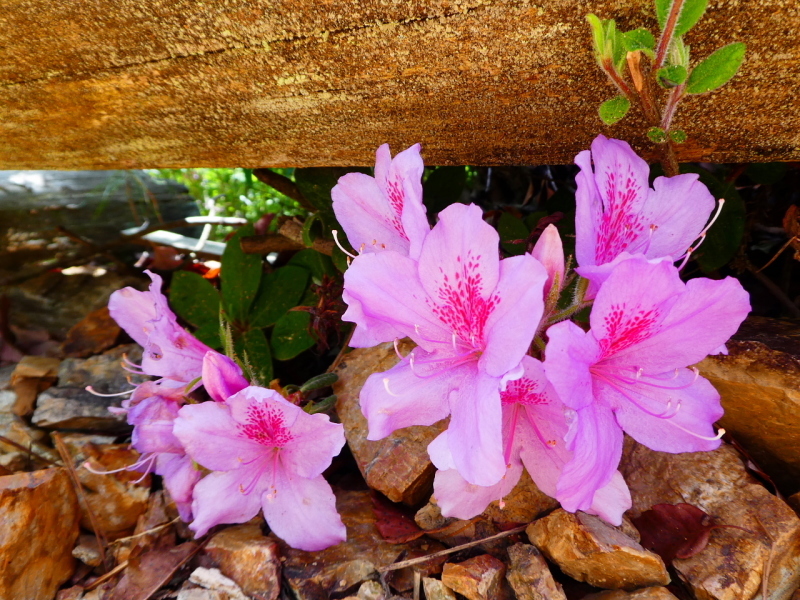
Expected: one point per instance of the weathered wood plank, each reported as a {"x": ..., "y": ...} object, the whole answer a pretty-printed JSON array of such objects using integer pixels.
[{"x": 255, "y": 83}]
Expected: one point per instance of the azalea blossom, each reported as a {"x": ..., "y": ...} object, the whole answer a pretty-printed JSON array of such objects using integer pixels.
[
  {"x": 472, "y": 316},
  {"x": 384, "y": 212},
  {"x": 630, "y": 371},
  {"x": 266, "y": 454},
  {"x": 549, "y": 251},
  {"x": 618, "y": 212},
  {"x": 534, "y": 427}
]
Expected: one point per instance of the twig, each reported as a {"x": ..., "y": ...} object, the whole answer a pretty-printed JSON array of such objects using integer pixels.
[
  {"x": 284, "y": 185},
  {"x": 666, "y": 35},
  {"x": 29, "y": 451},
  {"x": 106, "y": 576},
  {"x": 143, "y": 533},
  {"x": 101, "y": 538},
  {"x": 776, "y": 291},
  {"x": 415, "y": 561},
  {"x": 778, "y": 253}
]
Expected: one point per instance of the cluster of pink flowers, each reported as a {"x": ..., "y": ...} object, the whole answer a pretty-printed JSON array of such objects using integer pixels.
[
  {"x": 476, "y": 319},
  {"x": 257, "y": 450}
]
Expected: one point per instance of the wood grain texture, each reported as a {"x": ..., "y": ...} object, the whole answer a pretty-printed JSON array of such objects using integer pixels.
[{"x": 171, "y": 83}]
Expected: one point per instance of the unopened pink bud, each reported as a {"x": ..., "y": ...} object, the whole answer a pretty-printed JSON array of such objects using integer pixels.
[{"x": 550, "y": 252}]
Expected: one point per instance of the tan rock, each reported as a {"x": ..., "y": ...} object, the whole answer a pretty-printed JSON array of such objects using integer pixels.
[
  {"x": 454, "y": 532},
  {"x": 72, "y": 593},
  {"x": 529, "y": 575},
  {"x": 337, "y": 569},
  {"x": 88, "y": 551},
  {"x": 249, "y": 558},
  {"x": 648, "y": 593},
  {"x": 12, "y": 457},
  {"x": 398, "y": 466},
  {"x": 732, "y": 565},
  {"x": 588, "y": 549},
  {"x": 39, "y": 516},
  {"x": 479, "y": 578},
  {"x": 116, "y": 499},
  {"x": 759, "y": 382},
  {"x": 436, "y": 590},
  {"x": 213, "y": 580},
  {"x": 32, "y": 375},
  {"x": 371, "y": 590}
]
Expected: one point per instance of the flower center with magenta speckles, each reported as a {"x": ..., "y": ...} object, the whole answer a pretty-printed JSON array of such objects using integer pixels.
[
  {"x": 396, "y": 199},
  {"x": 266, "y": 426},
  {"x": 620, "y": 225}
]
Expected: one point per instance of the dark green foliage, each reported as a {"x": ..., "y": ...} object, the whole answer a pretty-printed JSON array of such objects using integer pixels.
[
  {"x": 254, "y": 354},
  {"x": 194, "y": 299},
  {"x": 717, "y": 69},
  {"x": 290, "y": 336},
  {"x": 317, "y": 264},
  {"x": 279, "y": 291},
  {"x": 511, "y": 229},
  {"x": 671, "y": 75},
  {"x": 240, "y": 276},
  {"x": 613, "y": 110},
  {"x": 443, "y": 187},
  {"x": 766, "y": 173}
]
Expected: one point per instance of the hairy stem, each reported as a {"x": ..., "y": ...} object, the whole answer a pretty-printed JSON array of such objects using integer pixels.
[{"x": 666, "y": 35}]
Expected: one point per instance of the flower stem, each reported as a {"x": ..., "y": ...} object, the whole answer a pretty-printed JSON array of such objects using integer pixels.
[{"x": 666, "y": 35}]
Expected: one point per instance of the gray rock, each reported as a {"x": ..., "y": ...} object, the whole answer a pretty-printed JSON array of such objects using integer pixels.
[
  {"x": 75, "y": 408},
  {"x": 529, "y": 575}
]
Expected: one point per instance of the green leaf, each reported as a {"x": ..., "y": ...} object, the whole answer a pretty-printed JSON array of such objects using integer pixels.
[
  {"x": 318, "y": 264},
  {"x": 194, "y": 299},
  {"x": 725, "y": 236},
  {"x": 309, "y": 235},
  {"x": 316, "y": 183},
  {"x": 615, "y": 45},
  {"x": 671, "y": 76},
  {"x": 766, "y": 173},
  {"x": 208, "y": 333},
  {"x": 657, "y": 135},
  {"x": 279, "y": 291},
  {"x": 511, "y": 228},
  {"x": 678, "y": 136},
  {"x": 613, "y": 110},
  {"x": 598, "y": 34},
  {"x": 253, "y": 351},
  {"x": 639, "y": 39},
  {"x": 320, "y": 381},
  {"x": 691, "y": 11},
  {"x": 443, "y": 187},
  {"x": 240, "y": 276},
  {"x": 290, "y": 336},
  {"x": 717, "y": 69}
]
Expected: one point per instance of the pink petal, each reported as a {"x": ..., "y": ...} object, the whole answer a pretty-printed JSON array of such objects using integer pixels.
[
  {"x": 222, "y": 377},
  {"x": 612, "y": 500},
  {"x": 153, "y": 420},
  {"x": 460, "y": 499},
  {"x": 400, "y": 398},
  {"x": 218, "y": 498},
  {"x": 133, "y": 310},
  {"x": 302, "y": 512},
  {"x": 595, "y": 439},
  {"x": 212, "y": 438},
  {"x": 369, "y": 331},
  {"x": 180, "y": 476},
  {"x": 568, "y": 356},
  {"x": 512, "y": 324},
  {"x": 314, "y": 444},
  {"x": 439, "y": 451},
  {"x": 549, "y": 251},
  {"x": 588, "y": 210}
]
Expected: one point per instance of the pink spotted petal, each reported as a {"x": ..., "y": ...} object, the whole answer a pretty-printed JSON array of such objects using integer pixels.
[
  {"x": 133, "y": 311},
  {"x": 475, "y": 432},
  {"x": 568, "y": 356},
  {"x": 212, "y": 438},
  {"x": 218, "y": 498},
  {"x": 153, "y": 420},
  {"x": 400, "y": 397},
  {"x": 549, "y": 251},
  {"x": 597, "y": 274},
  {"x": 180, "y": 476},
  {"x": 671, "y": 413},
  {"x": 222, "y": 377},
  {"x": 512, "y": 324},
  {"x": 302, "y": 512},
  {"x": 680, "y": 207},
  {"x": 460, "y": 499},
  {"x": 595, "y": 440},
  {"x": 588, "y": 210}
]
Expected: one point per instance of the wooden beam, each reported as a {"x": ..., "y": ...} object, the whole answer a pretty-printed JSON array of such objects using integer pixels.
[{"x": 132, "y": 84}]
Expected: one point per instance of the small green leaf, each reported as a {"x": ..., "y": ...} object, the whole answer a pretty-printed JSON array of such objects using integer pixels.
[
  {"x": 279, "y": 291},
  {"x": 253, "y": 351},
  {"x": 671, "y": 76},
  {"x": 678, "y": 136},
  {"x": 511, "y": 228},
  {"x": 717, "y": 69},
  {"x": 320, "y": 381},
  {"x": 317, "y": 263},
  {"x": 691, "y": 12},
  {"x": 662, "y": 11},
  {"x": 323, "y": 405},
  {"x": 194, "y": 299},
  {"x": 290, "y": 336},
  {"x": 598, "y": 34},
  {"x": 615, "y": 45},
  {"x": 613, "y": 110},
  {"x": 657, "y": 135},
  {"x": 639, "y": 39},
  {"x": 443, "y": 187},
  {"x": 240, "y": 276}
]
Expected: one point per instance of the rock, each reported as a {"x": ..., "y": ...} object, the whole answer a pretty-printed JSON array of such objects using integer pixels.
[
  {"x": 198, "y": 593},
  {"x": 398, "y": 466},
  {"x": 72, "y": 593},
  {"x": 648, "y": 593},
  {"x": 588, "y": 549},
  {"x": 87, "y": 551},
  {"x": 479, "y": 578},
  {"x": 759, "y": 382},
  {"x": 103, "y": 372},
  {"x": 337, "y": 569},
  {"x": 530, "y": 576},
  {"x": 212, "y": 579},
  {"x": 371, "y": 590},
  {"x": 732, "y": 565},
  {"x": 8, "y": 398},
  {"x": 32, "y": 375},
  {"x": 454, "y": 532},
  {"x": 116, "y": 499},
  {"x": 249, "y": 558},
  {"x": 436, "y": 590},
  {"x": 13, "y": 458},
  {"x": 39, "y": 513}
]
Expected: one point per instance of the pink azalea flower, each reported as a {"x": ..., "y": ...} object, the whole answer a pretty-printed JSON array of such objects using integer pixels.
[
  {"x": 629, "y": 372},
  {"x": 265, "y": 453},
  {"x": 617, "y": 211},
  {"x": 169, "y": 350},
  {"x": 534, "y": 426},
  {"x": 549, "y": 251},
  {"x": 384, "y": 212},
  {"x": 472, "y": 316}
]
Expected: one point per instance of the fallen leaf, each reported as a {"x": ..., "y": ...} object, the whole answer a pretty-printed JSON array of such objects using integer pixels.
[
  {"x": 394, "y": 525},
  {"x": 148, "y": 573},
  {"x": 95, "y": 333}
]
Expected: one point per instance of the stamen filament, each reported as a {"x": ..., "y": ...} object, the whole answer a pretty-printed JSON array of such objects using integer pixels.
[
  {"x": 336, "y": 239},
  {"x": 92, "y": 391}
]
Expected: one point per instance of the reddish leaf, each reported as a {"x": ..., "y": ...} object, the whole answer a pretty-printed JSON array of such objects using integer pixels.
[
  {"x": 148, "y": 573},
  {"x": 394, "y": 525},
  {"x": 674, "y": 530},
  {"x": 95, "y": 333}
]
